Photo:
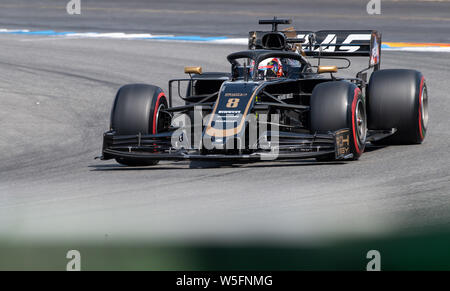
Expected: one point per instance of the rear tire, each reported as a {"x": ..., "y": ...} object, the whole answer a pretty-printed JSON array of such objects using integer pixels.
[
  {"x": 336, "y": 105},
  {"x": 398, "y": 99},
  {"x": 136, "y": 110}
]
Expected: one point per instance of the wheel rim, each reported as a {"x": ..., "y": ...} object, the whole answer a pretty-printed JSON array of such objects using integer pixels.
[
  {"x": 361, "y": 122},
  {"x": 424, "y": 107},
  {"x": 159, "y": 122}
]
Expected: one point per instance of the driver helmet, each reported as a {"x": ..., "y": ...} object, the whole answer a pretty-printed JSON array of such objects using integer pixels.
[{"x": 271, "y": 67}]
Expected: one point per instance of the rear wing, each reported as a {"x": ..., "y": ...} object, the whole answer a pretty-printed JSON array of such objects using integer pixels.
[{"x": 331, "y": 43}]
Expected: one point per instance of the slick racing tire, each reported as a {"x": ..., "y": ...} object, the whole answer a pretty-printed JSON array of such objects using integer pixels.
[
  {"x": 136, "y": 162},
  {"x": 336, "y": 105},
  {"x": 398, "y": 99},
  {"x": 137, "y": 110}
]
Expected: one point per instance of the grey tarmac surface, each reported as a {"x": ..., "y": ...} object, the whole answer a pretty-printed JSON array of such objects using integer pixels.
[
  {"x": 400, "y": 20},
  {"x": 56, "y": 96}
]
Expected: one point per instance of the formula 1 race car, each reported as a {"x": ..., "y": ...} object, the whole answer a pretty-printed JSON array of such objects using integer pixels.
[{"x": 274, "y": 104}]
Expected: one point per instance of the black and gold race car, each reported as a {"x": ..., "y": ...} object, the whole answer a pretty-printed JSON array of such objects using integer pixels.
[{"x": 274, "y": 104}]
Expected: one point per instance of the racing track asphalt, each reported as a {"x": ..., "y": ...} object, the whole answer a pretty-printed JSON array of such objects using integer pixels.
[{"x": 56, "y": 96}]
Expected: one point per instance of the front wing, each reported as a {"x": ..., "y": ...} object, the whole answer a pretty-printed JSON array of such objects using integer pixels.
[{"x": 271, "y": 146}]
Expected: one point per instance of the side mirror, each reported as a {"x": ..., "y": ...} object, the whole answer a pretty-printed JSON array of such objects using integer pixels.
[
  {"x": 192, "y": 70},
  {"x": 327, "y": 69}
]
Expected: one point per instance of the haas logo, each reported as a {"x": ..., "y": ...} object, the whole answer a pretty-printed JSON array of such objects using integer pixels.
[{"x": 332, "y": 39}]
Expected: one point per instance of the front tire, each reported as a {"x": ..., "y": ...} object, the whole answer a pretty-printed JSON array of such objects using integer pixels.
[
  {"x": 398, "y": 99},
  {"x": 136, "y": 163},
  {"x": 336, "y": 105},
  {"x": 137, "y": 109}
]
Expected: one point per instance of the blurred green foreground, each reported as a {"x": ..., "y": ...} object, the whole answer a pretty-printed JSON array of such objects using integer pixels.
[{"x": 429, "y": 251}]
